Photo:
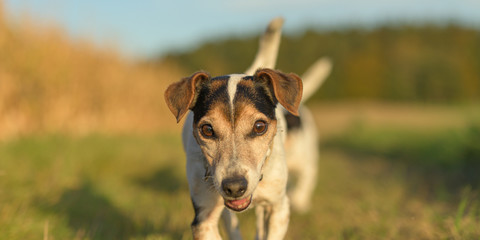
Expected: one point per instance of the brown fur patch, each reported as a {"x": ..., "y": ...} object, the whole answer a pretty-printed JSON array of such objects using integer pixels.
[
  {"x": 287, "y": 88},
  {"x": 181, "y": 96}
]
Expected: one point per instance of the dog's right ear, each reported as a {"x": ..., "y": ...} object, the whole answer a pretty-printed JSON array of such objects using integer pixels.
[
  {"x": 181, "y": 96},
  {"x": 287, "y": 88}
]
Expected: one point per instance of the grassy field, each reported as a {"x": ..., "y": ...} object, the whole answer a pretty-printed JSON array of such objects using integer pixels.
[
  {"x": 89, "y": 150},
  {"x": 375, "y": 182}
]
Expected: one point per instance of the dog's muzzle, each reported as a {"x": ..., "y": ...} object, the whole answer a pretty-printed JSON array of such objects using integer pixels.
[{"x": 235, "y": 188}]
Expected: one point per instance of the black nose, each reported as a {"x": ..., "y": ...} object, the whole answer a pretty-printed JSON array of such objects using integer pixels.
[{"x": 235, "y": 186}]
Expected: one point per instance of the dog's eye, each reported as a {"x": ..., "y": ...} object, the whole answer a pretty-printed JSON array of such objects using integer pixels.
[
  {"x": 260, "y": 127},
  {"x": 207, "y": 130}
]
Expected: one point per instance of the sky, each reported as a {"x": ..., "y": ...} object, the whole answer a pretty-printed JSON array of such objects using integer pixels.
[{"x": 148, "y": 28}]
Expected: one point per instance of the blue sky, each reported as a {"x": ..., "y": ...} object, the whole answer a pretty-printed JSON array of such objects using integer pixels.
[{"x": 146, "y": 28}]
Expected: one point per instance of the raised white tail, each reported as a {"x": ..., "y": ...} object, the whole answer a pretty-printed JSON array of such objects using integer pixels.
[{"x": 315, "y": 76}]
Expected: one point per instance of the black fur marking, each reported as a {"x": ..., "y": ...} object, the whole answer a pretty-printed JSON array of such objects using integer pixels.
[
  {"x": 264, "y": 103},
  {"x": 221, "y": 78},
  {"x": 206, "y": 98},
  {"x": 293, "y": 122},
  {"x": 258, "y": 95}
]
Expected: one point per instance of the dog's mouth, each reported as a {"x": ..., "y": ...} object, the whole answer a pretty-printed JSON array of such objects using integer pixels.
[{"x": 239, "y": 204}]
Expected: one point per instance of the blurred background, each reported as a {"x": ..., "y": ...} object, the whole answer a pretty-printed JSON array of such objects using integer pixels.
[{"x": 89, "y": 150}]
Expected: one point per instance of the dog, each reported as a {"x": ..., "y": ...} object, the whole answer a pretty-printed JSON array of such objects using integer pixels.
[{"x": 234, "y": 137}]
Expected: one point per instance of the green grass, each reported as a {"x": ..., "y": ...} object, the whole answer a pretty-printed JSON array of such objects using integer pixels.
[
  {"x": 134, "y": 187},
  {"x": 439, "y": 167},
  {"x": 95, "y": 187},
  {"x": 451, "y": 156}
]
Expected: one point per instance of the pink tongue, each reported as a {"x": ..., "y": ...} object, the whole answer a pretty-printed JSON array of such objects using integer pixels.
[{"x": 239, "y": 202}]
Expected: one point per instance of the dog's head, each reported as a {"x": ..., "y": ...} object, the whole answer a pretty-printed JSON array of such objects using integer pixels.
[{"x": 235, "y": 124}]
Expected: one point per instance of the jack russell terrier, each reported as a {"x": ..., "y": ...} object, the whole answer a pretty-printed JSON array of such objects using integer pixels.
[{"x": 236, "y": 144}]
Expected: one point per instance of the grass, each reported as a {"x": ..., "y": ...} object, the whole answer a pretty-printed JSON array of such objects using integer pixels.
[
  {"x": 437, "y": 167},
  {"x": 134, "y": 187},
  {"x": 452, "y": 155},
  {"x": 95, "y": 187}
]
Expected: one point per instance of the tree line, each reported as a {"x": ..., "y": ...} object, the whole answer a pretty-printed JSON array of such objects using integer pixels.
[{"x": 397, "y": 63}]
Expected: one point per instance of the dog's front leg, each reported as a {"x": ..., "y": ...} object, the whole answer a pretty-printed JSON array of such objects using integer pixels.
[
  {"x": 261, "y": 222},
  {"x": 276, "y": 219},
  {"x": 207, "y": 213},
  {"x": 230, "y": 221}
]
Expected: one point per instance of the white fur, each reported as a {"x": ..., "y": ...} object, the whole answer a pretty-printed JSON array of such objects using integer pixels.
[
  {"x": 232, "y": 86},
  {"x": 302, "y": 155}
]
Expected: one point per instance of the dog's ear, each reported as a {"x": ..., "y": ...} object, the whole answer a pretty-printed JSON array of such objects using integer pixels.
[
  {"x": 181, "y": 96},
  {"x": 287, "y": 88}
]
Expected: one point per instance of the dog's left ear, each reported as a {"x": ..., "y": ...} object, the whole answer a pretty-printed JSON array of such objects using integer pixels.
[
  {"x": 287, "y": 88},
  {"x": 181, "y": 96}
]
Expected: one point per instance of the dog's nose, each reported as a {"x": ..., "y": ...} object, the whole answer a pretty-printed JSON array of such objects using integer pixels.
[{"x": 234, "y": 187}]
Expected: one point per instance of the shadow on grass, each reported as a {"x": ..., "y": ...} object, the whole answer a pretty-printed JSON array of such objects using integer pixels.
[
  {"x": 91, "y": 215},
  {"x": 170, "y": 183},
  {"x": 437, "y": 165},
  {"x": 164, "y": 180}
]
